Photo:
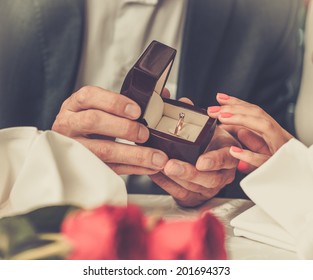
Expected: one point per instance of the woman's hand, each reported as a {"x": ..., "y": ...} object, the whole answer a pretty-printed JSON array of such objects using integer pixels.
[{"x": 254, "y": 128}]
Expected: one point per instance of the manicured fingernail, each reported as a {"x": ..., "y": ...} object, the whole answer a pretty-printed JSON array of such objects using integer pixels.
[
  {"x": 176, "y": 170},
  {"x": 143, "y": 133},
  {"x": 243, "y": 166},
  {"x": 236, "y": 149},
  {"x": 214, "y": 109},
  {"x": 159, "y": 160},
  {"x": 132, "y": 111},
  {"x": 223, "y": 96},
  {"x": 225, "y": 115}
]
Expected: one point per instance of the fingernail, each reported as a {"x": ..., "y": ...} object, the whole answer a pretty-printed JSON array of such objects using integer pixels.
[
  {"x": 236, "y": 149},
  {"x": 243, "y": 166},
  {"x": 225, "y": 115},
  {"x": 223, "y": 96},
  {"x": 159, "y": 160},
  {"x": 143, "y": 133},
  {"x": 176, "y": 170},
  {"x": 132, "y": 111},
  {"x": 214, "y": 109},
  {"x": 204, "y": 164}
]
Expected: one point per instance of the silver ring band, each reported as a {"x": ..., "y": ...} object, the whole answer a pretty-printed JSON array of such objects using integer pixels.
[{"x": 180, "y": 123}]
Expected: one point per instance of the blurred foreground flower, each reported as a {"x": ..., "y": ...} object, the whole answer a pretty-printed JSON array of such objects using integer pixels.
[
  {"x": 110, "y": 232},
  {"x": 106, "y": 232},
  {"x": 199, "y": 239}
]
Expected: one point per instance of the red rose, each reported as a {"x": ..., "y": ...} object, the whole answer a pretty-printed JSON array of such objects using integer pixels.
[
  {"x": 106, "y": 232},
  {"x": 188, "y": 239},
  {"x": 110, "y": 232}
]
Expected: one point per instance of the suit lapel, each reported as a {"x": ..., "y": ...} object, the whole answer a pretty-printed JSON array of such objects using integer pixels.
[
  {"x": 205, "y": 23},
  {"x": 62, "y": 35}
]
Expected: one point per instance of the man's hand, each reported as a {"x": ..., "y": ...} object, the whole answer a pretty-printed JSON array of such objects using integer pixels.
[
  {"x": 95, "y": 117},
  {"x": 192, "y": 185}
]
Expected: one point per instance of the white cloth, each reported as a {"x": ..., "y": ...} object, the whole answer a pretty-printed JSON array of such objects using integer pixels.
[
  {"x": 282, "y": 189},
  {"x": 45, "y": 168},
  {"x": 118, "y": 31},
  {"x": 255, "y": 224}
]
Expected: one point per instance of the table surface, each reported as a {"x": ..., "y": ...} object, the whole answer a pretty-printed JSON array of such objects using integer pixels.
[{"x": 238, "y": 248}]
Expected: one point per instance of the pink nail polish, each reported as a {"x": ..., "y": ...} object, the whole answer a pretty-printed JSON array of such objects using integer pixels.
[
  {"x": 236, "y": 149},
  {"x": 226, "y": 115},
  {"x": 223, "y": 96},
  {"x": 243, "y": 166},
  {"x": 214, "y": 109}
]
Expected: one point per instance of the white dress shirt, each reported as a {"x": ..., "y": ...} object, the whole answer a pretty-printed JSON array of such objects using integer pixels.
[{"x": 118, "y": 31}]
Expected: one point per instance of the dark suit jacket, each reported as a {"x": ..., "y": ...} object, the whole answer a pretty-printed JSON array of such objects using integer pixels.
[{"x": 247, "y": 48}]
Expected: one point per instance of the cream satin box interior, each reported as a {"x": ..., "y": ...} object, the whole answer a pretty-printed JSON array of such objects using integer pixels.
[{"x": 181, "y": 130}]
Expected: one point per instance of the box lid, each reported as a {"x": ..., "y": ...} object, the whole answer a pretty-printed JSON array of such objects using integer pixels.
[{"x": 149, "y": 74}]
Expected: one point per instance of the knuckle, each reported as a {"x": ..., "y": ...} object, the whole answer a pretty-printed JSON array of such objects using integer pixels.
[
  {"x": 66, "y": 103},
  {"x": 219, "y": 161},
  {"x": 105, "y": 152},
  {"x": 129, "y": 128},
  {"x": 209, "y": 193},
  {"x": 88, "y": 119},
  {"x": 140, "y": 158},
  {"x": 182, "y": 194},
  {"x": 114, "y": 100},
  {"x": 60, "y": 125},
  {"x": 216, "y": 181},
  {"x": 191, "y": 173},
  {"x": 267, "y": 125},
  {"x": 83, "y": 95},
  {"x": 230, "y": 176},
  {"x": 255, "y": 108}
]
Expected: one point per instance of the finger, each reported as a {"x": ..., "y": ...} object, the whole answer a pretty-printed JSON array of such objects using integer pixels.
[
  {"x": 112, "y": 152},
  {"x": 248, "y": 138},
  {"x": 223, "y": 98},
  {"x": 252, "y": 141},
  {"x": 166, "y": 93},
  {"x": 221, "y": 139},
  {"x": 231, "y": 129},
  {"x": 249, "y": 109},
  {"x": 196, "y": 188},
  {"x": 191, "y": 178},
  {"x": 245, "y": 167},
  {"x": 90, "y": 97},
  {"x": 216, "y": 160},
  {"x": 186, "y": 100},
  {"x": 272, "y": 133},
  {"x": 252, "y": 158},
  {"x": 182, "y": 196},
  {"x": 98, "y": 122},
  {"x": 125, "y": 169}
]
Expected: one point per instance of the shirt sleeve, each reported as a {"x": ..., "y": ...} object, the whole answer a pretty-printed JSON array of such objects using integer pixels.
[{"x": 283, "y": 188}]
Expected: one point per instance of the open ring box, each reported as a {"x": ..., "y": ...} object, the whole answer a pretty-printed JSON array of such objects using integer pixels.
[{"x": 144, "y": 84}]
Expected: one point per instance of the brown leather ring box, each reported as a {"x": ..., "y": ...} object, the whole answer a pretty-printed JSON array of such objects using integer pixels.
[{"x": 181, "y": 130}]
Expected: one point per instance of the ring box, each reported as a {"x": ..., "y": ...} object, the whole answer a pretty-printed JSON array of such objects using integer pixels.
[{"x": 144, "y": 84}]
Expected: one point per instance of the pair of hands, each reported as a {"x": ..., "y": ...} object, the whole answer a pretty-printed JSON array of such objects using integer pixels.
[
  {"x": 95, "y": 117},
  {"x": 253, "y": 127}
]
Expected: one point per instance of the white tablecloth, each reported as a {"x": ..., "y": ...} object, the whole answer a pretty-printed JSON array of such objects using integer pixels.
[{"x": 238, "y": 248}]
